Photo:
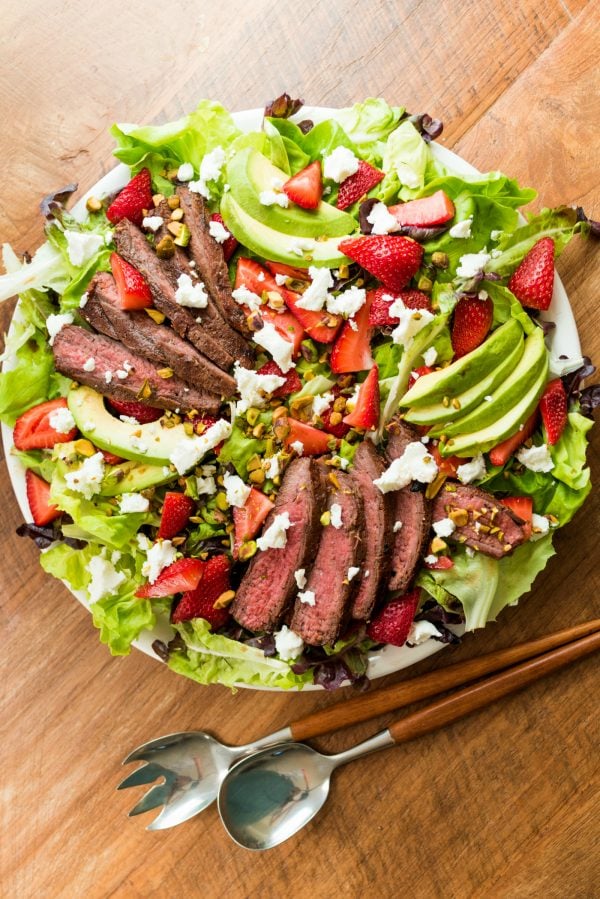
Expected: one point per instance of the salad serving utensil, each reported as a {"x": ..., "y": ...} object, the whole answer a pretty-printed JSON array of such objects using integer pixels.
[{"x": 194, "y": 763}]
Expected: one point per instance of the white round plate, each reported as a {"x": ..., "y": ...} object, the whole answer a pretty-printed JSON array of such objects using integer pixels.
[{"x": 563, "y": 341}]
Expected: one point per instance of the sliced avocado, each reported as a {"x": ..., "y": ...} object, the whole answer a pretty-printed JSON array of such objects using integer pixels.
[
  {"x": 150, "y": 443},
  {"x": 131, "y": 477},
  {"x": 438, "y": 414},
  {"x": 250, "y": 173},
  {"x": 466, "y": 371},
  {"x": 275, "y": 245}
]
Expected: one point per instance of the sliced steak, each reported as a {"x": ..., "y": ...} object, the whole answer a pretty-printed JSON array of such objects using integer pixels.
[
  {"x": 378, "y": 511},
  {"x": 489, "y": 526},
  {"x": 73, "y": 346},
  {"x": 157, "y": 343},
  {"x": 339, "y": 549},
  {"x": 269, "y": 586}
]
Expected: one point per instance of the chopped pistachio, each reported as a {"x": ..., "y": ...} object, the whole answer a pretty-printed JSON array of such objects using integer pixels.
[
  {"x": 84, "y": 447},
  {"x": 253, "y": 463},
  {"x": 177, "y": 214},
  {"x": 258, "y": 430},
  {"x": 460, "y": 517},
  {"x": 252, "y": 415},
  {"x": 437, "y": 545},
  {"x": 440, "y": 260},
  {"x": 247, "y": 550},
  {"x": 184, "y": 236},
  {"x": 257, "y": 477},
  {"x": 425, "y": 283},
  {"x": 221, "y": 501},
  {"x": 164, "y": 373},
  {"x": 92, "y": 204},
  {"x": 173, "y": 202},
  {"x": 157, "y": 199},
  {"x": 325, "y": 518},
  {"x": 155, "y": 315},
  {"x": 165, "y": 248},
  {"x": 224, "y": 599}
]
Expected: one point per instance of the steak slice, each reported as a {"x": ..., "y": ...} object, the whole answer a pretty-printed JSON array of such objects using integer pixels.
[
  {"x": 73, "y": 346},
  {"x": 268, "y": 586},
  {"x": 339, "y": 549},
  {"x": 157, "y": 343},
  {"x": 378, "y": 511},
  {"x": 490, "y": 527}
]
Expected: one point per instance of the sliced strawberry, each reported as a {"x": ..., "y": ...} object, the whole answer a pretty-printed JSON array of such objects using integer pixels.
[
  {"x": 426, "y": 212},
  {"x": 296, "y": 274},
  {"x": 418, "y": 373},
  {"x": 231, "y": 244},
  {"x": 176, "y": 512},
  {"x": 357, "y": 185},
  {"x": 33, "y": 429},
  {"x": 199, "y": 602},
  {"x": 501, "y": 453},
  {"x": 352, "y": 349},
  {"x": 287, "y": 325},
  {"x": 142, "y": 413},
  {"x": 553, "y": 407},
  {"x": 322, "y": 326},
  {"x": 392, "y": 624},
  {"x": 38, "y": 497},
  {"x": 522, "y": 506},
  {"x": 394, "y": 260},
  {"x": 131, "y": 202},
  {"x": 442, "y": 563},
  {"x": 249, "y": 519},
  {"x": 379, "y": 314},
  {"x": 533, "y": 281},
  {"x": 472, "y": 322},
  {"x": 184, "y": 574},
  {"x": 133, "y": 290},
  {"x": 447, "y": 465},
  {"x": 366, "y": 412},
  {"x": 340, "y": 429},
  {"x": 292, "y": 381},
  {"x": 306, "y": 188},
  {"x": 110, "y": 458},
  {"x": 257, "y": 279},
  {"x": 314, "y": 441}
]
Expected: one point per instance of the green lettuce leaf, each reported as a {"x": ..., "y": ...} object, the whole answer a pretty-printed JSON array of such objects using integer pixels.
[
  {"x": 506, "y": 306},
  {"x": 239, "y": 449},
  {"x": 568, "y": 454},
  {"x": 560, "y": 224},
  {"x": 369, "y": 124},
  {"x": 407, "y": 156}
]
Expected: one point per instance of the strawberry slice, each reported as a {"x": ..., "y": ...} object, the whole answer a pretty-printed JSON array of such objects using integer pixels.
[
  {"x": 176, "y": 512},
  {"x": 366, "y": 412},
  {"x": 38, "y": 497},
  {"x": 442, "y": 563},
  {"x": 292, "y": 381},
  {"x": 314, "y": 441},
  {"x": 306, "y": 188},
  {"x": 322, "y": 326},
  {"x": 447, "y": 465},
  {"x": 522, "y": 506},
  {"x": 296, "y": 274},
  {"x": 352, "y": 349},
  {"x": 199, "y": 601},
  {"x": 357, "y": 185},
  {"x": 231, "y": 244},
  {"x": 392, "y": 624},
  {"x": 502, "y": 452},
  {"x": 143, "y": 414},
  {"x": 553, "y": 407},
  {"x": 184, "y": 574},
  {"x": 426, "y": 212},
  {"x": 379, "y": 314},
  {"x": 131, "y": 202},
  {"x": 338, "y": 430},
  {"x": 249, "y": 519},
  {"x": 533, "y": 281},
  {"x": 472, "y": 322},
  {"x": 257, "y": 279},
  {"x": 33, "y": 429},
  {"x": 418, "y": 373},
  {"x": 393, "y": 260},
  {"x": 110, "y": 458},
  {"x": 133, "y": 290}
]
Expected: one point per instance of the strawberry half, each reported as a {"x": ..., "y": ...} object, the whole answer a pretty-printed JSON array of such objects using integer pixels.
[
  {"x": 392, "y": 624},
  {"x": 110, "y": 458},
  {"x": 472, "y": 322},
  {"x": 132, "y": 200},
  {"x": 553, "y": 407},
  {"x": 292, "y": 381},
  {"x": 33, "y": 429},
  {"x": 199, "y": 602},
  {"x": 426, "y": 212},
  {"x": 38, "y": 497},
  {"x": 357, "y": 185},
  {"x": 257, "y": 279},
  {"x": 305, "y": 189},
  {"x": 249, "y": 519},
  {"x": 352, "y": 349},
  {"x": 231, "y": 244},
  {"x": 502, "y": 452},
  {"x": 314, "y": 441},
  {"x": 379, "y": 313},
  {"x": 442, "y": 563},
  {"x": 418, "y": 373},
  {"x": 447, "y": 465},
  {"x": 176, "y": 512},
  {"x": 142, "y": 413},
  {"x": 522, "y": 506},
  {"x": 133, "y": 290},
  {"x": 338, "y": 430},
  {"x": 366, "y": 412},
  {"x": 184, "y": 574},
  {"x": 533, "y": 281},
  {"x": 393, "y": 260},
  {"x": 322, "y": 326}
]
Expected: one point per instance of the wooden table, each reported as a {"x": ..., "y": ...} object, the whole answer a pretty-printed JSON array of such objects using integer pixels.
[{"x": 503, "y": 804}]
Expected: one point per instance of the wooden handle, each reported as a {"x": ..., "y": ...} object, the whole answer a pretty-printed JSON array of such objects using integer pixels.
[
  {"x": 476, "y": 696},
  {"x": 388, "y": 699}
]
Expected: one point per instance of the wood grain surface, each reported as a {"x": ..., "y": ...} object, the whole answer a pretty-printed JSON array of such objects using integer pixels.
[{"x": 501, "y": 804}]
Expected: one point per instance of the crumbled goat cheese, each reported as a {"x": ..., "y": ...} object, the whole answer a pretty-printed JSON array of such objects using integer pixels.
[
  {"x": 211, "y": 165},
  {"x": 536, "y": 458},
  {"x": 185, "y": 172},
  {"x": 410, "y": 322},
  {"x": 280, "y": 349},
  {"x": 270, "y": 198},
  {"x": 82, "y": 245},
  {"x": 104, "y": 578},
  {"x": 482, "y": 295},
  {"x": 300, "y": 578},
  {"x": 218, "y": 231},
  {"x": 143, "y": 542},
  {"x": 348, "y": 302},
  {"x": 159, "y": 556},
  {"x": 206, "y": 486},
  {"x": 430, "y": 559},
  {"x": 89, "y": 364},
  {"x": 108, "y": 376},
  {"x": 254, "y": 387},
  {"x": 137, "y": 444},
  {"x": 421, "y": 631},
  {"x": 281, "y": 279},
  {"x": 353, "y": 324},
  {"x": 246, "y": 297},
  {"x": 288, "y": 644},
  {"x": 381, "y": 219},
  {"x": 190, "y": 451},
  {"x": 429, "y": 356},
  {"x": 299, "y": 246},
  {"x": 190, "y": 294},
  {"x": 121, "y": 373},
  {"x": 471, "y": 471},
  {"x": 415, "y": 464},
  {"x": 275, "y": 537},
  {"x": 341, "y": 461},
  {"x": 335, "y": 513},
  {"x": 540, "y": 526},
  {"x": 321, "y": 402},
  {"x": 236, "y": 491},
  {"x": 133, "y": 502},
  {"x": 61, "y": 420},
  {"x": 445, "y": 527},
  {"x": 340, "y": 164},
  {"x": 88, "y": 477},
  {"x": 471, "y": 263},
  {"x": 496, "y": 235},
  {"x": 352, "y": 572},
  {"x": 83, "y": 301},
  {"x": 462, "y": 229},
  {"x": 298, "y": 447},
  {"x": 129, "y": 420},
  {"x": 54, "y": 323},
  {"x": 316, "y": 294},
  {"x": 307, "y": 597},
  {"x": 153, "y": 222},
  {"x": 272, "y": 467},
  {"x": 397, "y": 526}
]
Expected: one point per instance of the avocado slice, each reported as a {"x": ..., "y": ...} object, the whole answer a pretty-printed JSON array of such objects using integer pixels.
[
  {"x": 249, "y": 173},
  {"x": 277, "y": 246},
  {"x": 131, "y": 477},
  {"x": 466, "y": 371}
]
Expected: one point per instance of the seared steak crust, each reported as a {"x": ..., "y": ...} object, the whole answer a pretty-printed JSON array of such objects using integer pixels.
[{"x": 490, "y": 527}]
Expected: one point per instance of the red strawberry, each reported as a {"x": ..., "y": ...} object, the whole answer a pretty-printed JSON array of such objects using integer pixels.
[
  {"x": 447, "y": 465},
  {"x": 522, "y": 506},
  {"x": 442, "y": 563},
  {"x": 472, "y": 322},
  {"x": 321, "y": 326},
  {"x": 38, "y": 497},
  {"x": 418, "y": 373},
  {"x": 314, "y": 441},
  {"x": 352, "y": 349},
  {"x": 140, "y": 411},
  {"x": 426, "y": 212},
  {"x": 257, "y": 279},
  {"x": 366, "y": 412},
  {"x": 292, "y": 380},
  {"x": 110, "y": 458},
  {"x": 290, "y": 271},
  {"x": 553, "y": 406},
  {"x": 392, "y": 624},
  {"x": 176, "y": 512},
  {"x": 339, "y": 430},
  {"x": 134, "y": 292},
  {"x": 34, "y": 431},
  {"x": 249, "y": 519},
  {"x": 533, "y": 281},
  {"x": 199, "y": 602},
  {"x": 379, "y": 314},
  {"x": 231, "y": 244},
  {"x": 502, "y": 452},
  {"x": 132, "y": 200},
  {"x": 358, "y": 184},
  {"x": 184, "y": 574},
  {"x": 306, "y": 188},
  {"x": 394, "y": 260}
]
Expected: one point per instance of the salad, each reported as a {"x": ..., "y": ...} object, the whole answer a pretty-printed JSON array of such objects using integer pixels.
[{"x": 289, "y": 392}]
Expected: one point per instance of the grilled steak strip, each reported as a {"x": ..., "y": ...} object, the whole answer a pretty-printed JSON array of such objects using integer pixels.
[
  {"x": 73, "y": 346},
  {"x": 378, "y": 511},
  {"x": 339, "y": 549},
  {"x": 490, "y": 528},
  {"x": 268, "y": 586},
  {"x": 157, "y": 343}
]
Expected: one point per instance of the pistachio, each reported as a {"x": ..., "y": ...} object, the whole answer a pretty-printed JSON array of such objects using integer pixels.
[
  {"x": 460, "y": 517},
  {"x": 456, "y": 403},
  {"x": 253, "y": 462},
  {"x": 221, "y": 501},
  {"x": 247, "y": 550},
  {"x": 164, "y": 373},
  {"x": 279, "y": 412},
  {"x": 257, "y": 477},
  {"x": 145, "y": 391},
  {"x": 255, "y": 321},
  {"x": 178, "y": 541},
  {"x": 84, "y": 447},
  {"x": 437, "y": 545},
  {"x": 436, "y": 485},
  {"x": 155, "y": 315},
  {"x": 325, "y": 518},
  {"x": 92, "y": 204},
  {"x": 445, "y": 401},
  {"x": 177, "y": 214},
  {"x": 157, "y": 199},
  {"x": 225, "y": 599},
  {"x": 339, "y": 404},
  {"x": 252, "y": 415},
  {"x": 507, "y": 547},
  {"x": 335, "y": 418},
  {"x": 334, "y": 479},
  {"x": 425, "y": 283},
  {"x": 165, "y": 248},
  {"x": 258, "y": 430},
  {"x": 269, "y": 446},
  {"x": 309, "y": 375},
  {"x": 174, "y": 228},
  {"x": 173, "y": 202},
  {"x": 188, "y": 427},
  {"x": 483, "y": 529},
  {"x": 281, "y": 431},
  {"x": 301, "y": 402},
  {"x": 440, "y": 260},
  {"x": 343, "y": 272},
  {"x": 184, "y": 236}
]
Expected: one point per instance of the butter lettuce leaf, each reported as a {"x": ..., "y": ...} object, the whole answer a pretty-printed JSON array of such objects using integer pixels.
[
  {"x": 569, "y": 453},
  {"x": 369, "y": 124},
  {"x": 407, "y": 156}
]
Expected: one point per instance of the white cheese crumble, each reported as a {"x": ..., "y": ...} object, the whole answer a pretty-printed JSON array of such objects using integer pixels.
[
  {"x": 129, "y": 419},
  {"x": 61, "y": 420},
  {"x": 341, "y": 461},
  {"x": 445, "y": 527},
  {"x": 89, "y": 364},
  {"x": 104, "y": 578},
  {"x": 288, "y": 644},
  {"x": 87, "y": 479},
  {"x": 340, "y": 164},
  {"x": 54, "y": 323},
  {"x": 352, "y": 572},
  {"x": 278, "y": 346},
  {"x": 272, "y": 468},
  {"x": 206, "y": 486},
  {"x": 496, "y": 235},
  {"x": 160, "y": 555},
  {"x": 300, "y": 245},
  {"x": 189, "y": 451},
  {"x": 83, "y": 301},
  {"x": 271, "y": 198},
  {"x": 316, "y": 294},
  {"x": 133, "y": 502},
  {"x": 347, "y": 303},
  {"x": 536, "y": 458},
  {"x": 415, "y": 464},
  {"x": 281, "y": 279},
  {"x": 235, "y": 490},
  {"x": 381, "y": 219},
  {"x": 410, "y": 322},
  {"x": 421, "y": 631},
  {"x": 218, "y": 231},
  {"x": 430, "y": 559},
  {"x": 108, "y": 376},
  {"x": 246, "y": 297},
  {"x": 298, "y": 447},
  {"x": 335, "y": 513},
  {"x": 275, "y": 537},
  {"x": 210, "y": 170},
  {"x": 185, "y": 172},
  {"x": 321, "y": 402},
  {"x": 429, "y": 356},
  {"x": 82, "y": 245},
  {"x": 153, "y": 222},
  {"x": 471, "y": 471},
  {"x": 300, "y": 578},
  {"x": 472, "y": 263},
  {"x": 253, "y": 387},
  {"x": 121, "y": 373},
  {"x": 307, "y": 597},
  {"x": 462, "y": 229},
  {"x": 397, "y": 526},
  {"x": 540, "y": 526},
  {"x": 190, "y": 294}
]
